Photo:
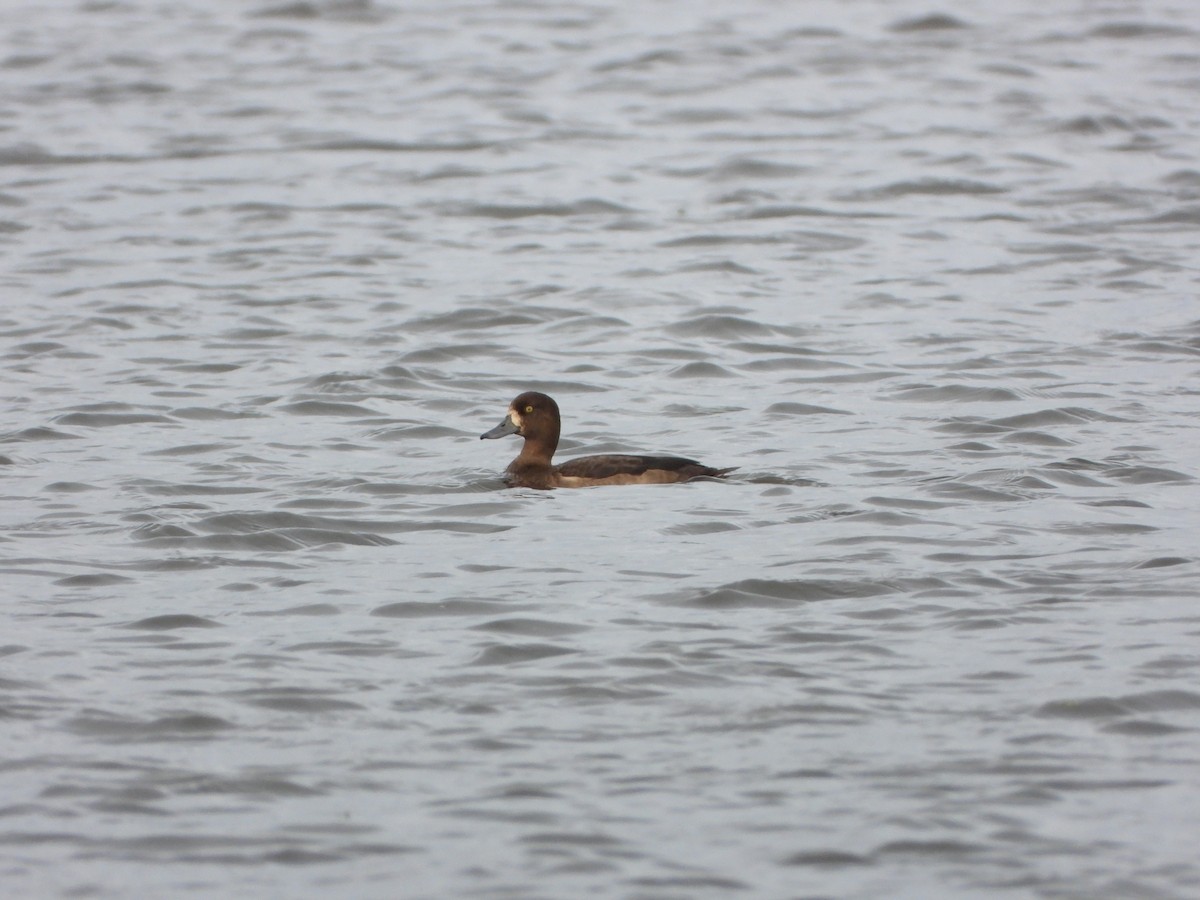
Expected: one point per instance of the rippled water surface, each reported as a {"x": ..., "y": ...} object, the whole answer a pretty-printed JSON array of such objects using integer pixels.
[{"x": 927, "y": 275}]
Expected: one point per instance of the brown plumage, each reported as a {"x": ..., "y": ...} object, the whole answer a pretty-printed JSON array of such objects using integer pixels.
[{"x": 536, "y": 418}]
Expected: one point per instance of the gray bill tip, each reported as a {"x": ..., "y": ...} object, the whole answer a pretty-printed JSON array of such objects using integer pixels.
[{"x": 504, "y": 428}]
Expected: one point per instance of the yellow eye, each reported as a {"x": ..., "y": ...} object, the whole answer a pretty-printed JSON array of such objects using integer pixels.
[{"x": 529, "y": 409}]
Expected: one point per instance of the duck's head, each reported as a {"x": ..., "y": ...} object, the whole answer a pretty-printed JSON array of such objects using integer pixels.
[{"x": 531, "y": 415}]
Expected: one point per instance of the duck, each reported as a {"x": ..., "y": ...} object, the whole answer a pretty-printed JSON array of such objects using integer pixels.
[{"x": 535, "y": 417}]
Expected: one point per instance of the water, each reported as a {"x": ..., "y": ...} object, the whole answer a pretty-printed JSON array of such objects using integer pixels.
[{"x": 926, "y": 275}]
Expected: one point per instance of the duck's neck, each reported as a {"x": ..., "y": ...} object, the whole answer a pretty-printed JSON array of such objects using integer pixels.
[{"x": 537, "y": 451}]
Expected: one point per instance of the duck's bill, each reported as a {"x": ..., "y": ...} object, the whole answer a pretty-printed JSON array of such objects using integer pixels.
[{"x": 506, "y": 427}]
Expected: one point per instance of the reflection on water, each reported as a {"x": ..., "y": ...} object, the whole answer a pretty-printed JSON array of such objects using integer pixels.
[{"x": 926, "y": 278}]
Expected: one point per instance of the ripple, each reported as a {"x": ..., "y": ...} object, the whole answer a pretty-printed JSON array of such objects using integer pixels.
[
  {"x": 98, "y": 579},
  {"x": 756, "y": 592},
  {"x": 701, "y": 370},
  {"x": 327, "y": 408},
  {"x": 297, "y": 700},
  {"x": 514, "y": 654},
  {"x": 826, "y": 859},
  {"x": 954, "y": 393},
  {"x": 719, "y": 326},
  {"x": 807, "y": 241},
  {"x": 190, "y": 449},
  {"x": 1108, "y": 707},
  {"x": 530, "y": 627},
  {"x": 1060, "y": 416},
  {"x": 172, "y": 621},
  {"x": 927, "y": 186},
  {"x": 110, "y": 420},
  {"x": 1037, "y": 439},
  {"x": 587, "y": 207},
  {"x": 183, "y": 726},
  {"x": 412, "y": 609},
  {"x": 931, "y": 22},
  {"x": 1136, "y": 474},
  {"x": 39, "y": 433},
  {"x": 787, "y": 408}
]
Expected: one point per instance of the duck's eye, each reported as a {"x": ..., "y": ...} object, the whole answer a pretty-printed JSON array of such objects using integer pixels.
[{"x": 528, "y": 409}]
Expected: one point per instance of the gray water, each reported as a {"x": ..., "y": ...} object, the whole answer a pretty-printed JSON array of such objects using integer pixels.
[{"x": 926, "y": 274}]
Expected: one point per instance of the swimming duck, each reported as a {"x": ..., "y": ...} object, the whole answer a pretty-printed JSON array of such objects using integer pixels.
[{"x": 535, "y": 417}]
